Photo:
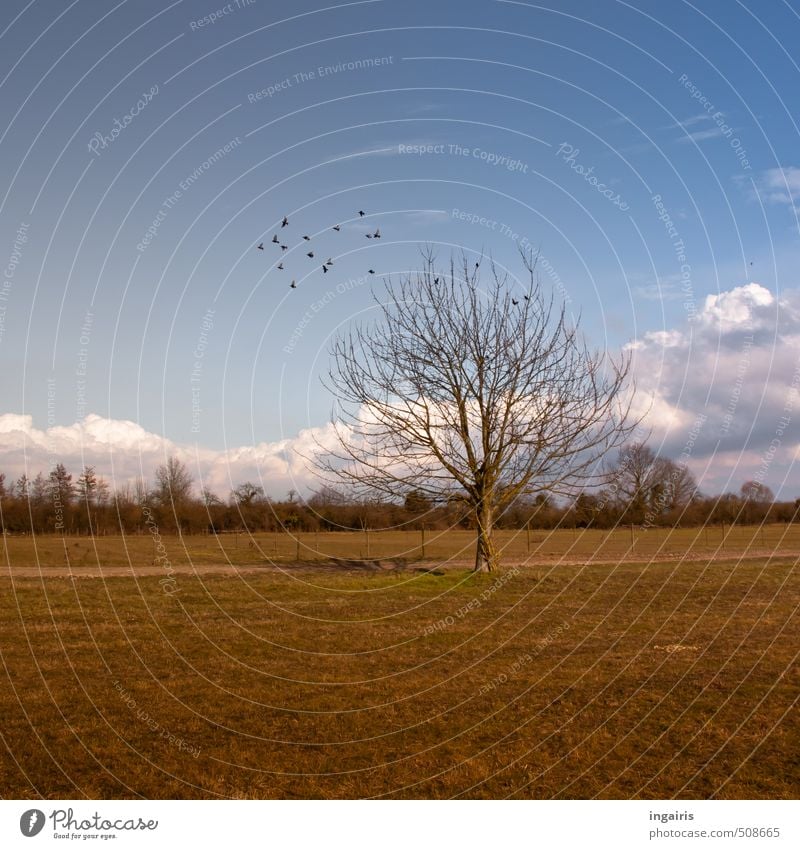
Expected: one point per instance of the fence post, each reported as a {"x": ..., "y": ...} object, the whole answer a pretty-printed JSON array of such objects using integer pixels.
[{"x": 423, "y": 542}]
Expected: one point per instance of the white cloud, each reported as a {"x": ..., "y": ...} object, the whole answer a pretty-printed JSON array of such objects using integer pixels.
[
  {"x": 779, "y": 185},
  {"x": 701, "y": 135},
  {"x": 732, "y": 370},
  {"x": 735, "y": 369},
  {"x": 122, "y": 451},
  {"x": 739, "y": 306}
]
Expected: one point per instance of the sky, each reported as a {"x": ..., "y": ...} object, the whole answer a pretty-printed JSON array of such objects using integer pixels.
[{"x": 647, "y": 150}]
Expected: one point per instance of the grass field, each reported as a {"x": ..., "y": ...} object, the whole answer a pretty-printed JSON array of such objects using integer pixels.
[
  {"x": 648, "y": 674},
  {"x": 517, "y": 546}
]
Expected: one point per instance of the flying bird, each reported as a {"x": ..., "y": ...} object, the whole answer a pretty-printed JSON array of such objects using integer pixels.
[
  {"x": 337, "y": 228},
  {"x": 372, "y": 271},
  {"x": 285, "y": 221},
  {"x": 307, "y": 238},
  {"x": 284, "y": 247},
  {"x": 361, "y": 213},
  {"x": 436, "y": 280},
  {"x": 293, "y": 285},
  {"x": 275, "y": 239},
  {"x": 324, "y": 269},
  {"x": 368, "y": 235},
  {"x": 310, "y": 254},
  {"x": 376, "y": 234},
  {"x": 477, "y": 265},
  {"x": 527, "y": 297},
  {"x": 516, "y": 303},
  {"x": 329, "y": 261},
  {"x": 280, "y": 266},
  {"x": 261, "y": 247}
]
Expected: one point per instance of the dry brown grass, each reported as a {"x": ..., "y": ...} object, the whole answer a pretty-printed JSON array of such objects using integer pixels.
[
  {"x": 456, "y": 545},
  {"x": 652, "y": 680}
]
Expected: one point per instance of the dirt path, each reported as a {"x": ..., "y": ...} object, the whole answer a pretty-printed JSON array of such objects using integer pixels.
[{"x": 369, "y": 567}]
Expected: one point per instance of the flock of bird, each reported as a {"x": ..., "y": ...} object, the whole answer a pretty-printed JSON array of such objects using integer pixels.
[{"x": 328, "y": 262}]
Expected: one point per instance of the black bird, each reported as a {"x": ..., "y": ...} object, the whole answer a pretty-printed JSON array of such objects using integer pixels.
[
  {"x": 293, "y": 285},
  {"x": 275, "y": 239},
  {"x": 376, "y": 234},
  {"x": 307, "y": 238},
  {"x": 329, "y": 261},
  {"x": 337, "y": 228},
  {"x": 361, "y": 213},
  {"x": 280, "y": 266},
  {"x": 527, "y": 297},
  {"x": 324, "y": 269},
  {"x": 368, "y": 235},
  {"x": 284, "y": 247},
  {"x": 310, "y": 254},
  {"x": 285, "y": 221},
  {"x": 261, "y": 247},
  {"x": 516, "y": 303},
  {"x": 477, "y": 265},
  {"x": 436, "y": 280},
  {"x": 372, "y": 271}
]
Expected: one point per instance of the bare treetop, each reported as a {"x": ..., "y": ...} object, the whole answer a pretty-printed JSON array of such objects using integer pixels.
[{"x": 481, "y": 391}]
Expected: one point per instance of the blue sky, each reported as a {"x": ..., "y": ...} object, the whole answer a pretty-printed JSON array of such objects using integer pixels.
[{"x": 648, "y": 149}]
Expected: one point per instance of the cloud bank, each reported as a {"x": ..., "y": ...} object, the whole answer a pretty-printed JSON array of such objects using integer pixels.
[{"x": 723, "y": 392}]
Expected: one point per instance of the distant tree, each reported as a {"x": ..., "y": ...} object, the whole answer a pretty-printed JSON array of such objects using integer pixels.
[
  {"x": 60, "y": 484},
  {"x": 483, "y": 391},
  {"x": 173, "y": 483},
  {"x": 209, "y": 498},
  {"x": 38, "y": 489},
  {"x": 22, "y": 486},
  {"x": 86, "y": 486},
  {"x": 417, "y": 502},
  {"x": 327, "y": 496},
  {"x": 585, "y": 509},
  {"x": 757, "y": 492},
  {"x": 247, "y": 494},
  {"x": 640, "y": 478}
]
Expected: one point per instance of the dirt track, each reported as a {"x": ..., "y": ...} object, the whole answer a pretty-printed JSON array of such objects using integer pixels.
[{"x": 373, "y": 567}]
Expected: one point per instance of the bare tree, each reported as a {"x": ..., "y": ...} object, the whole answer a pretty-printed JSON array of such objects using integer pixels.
[
  {"x": 648, "y": 485},
  {"x": 173, "y": 482},
  {"x": 482, "y": 393}
]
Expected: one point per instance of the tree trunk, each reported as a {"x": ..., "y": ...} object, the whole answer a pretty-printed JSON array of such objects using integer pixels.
[{"x": 486, "y": 557}]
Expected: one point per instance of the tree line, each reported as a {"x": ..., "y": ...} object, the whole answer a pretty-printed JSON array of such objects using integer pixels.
[{"x": 640, "y": 488}]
